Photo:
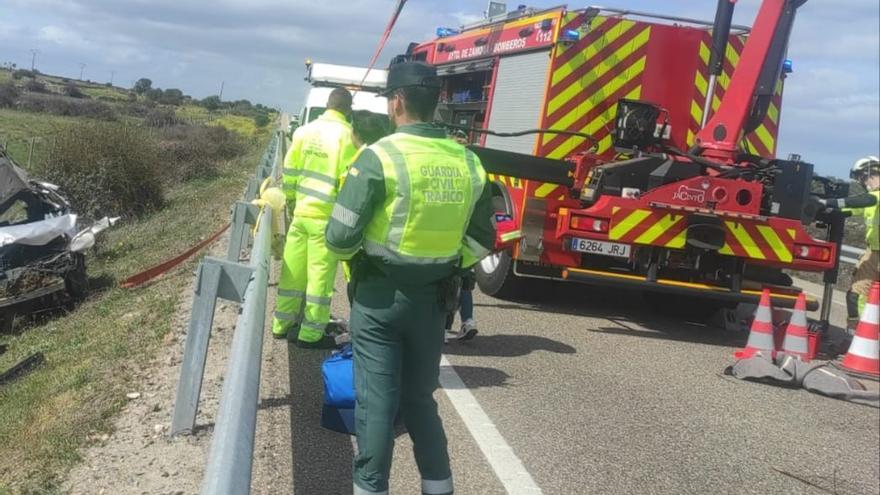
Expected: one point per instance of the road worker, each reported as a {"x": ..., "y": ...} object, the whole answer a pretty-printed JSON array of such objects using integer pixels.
[
  {"x": 416, "y": 210},
  {"x": 865, "y": 171},
  {"x": 319, "y": 154}
]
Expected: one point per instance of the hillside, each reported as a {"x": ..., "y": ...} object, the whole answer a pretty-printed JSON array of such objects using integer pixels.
[
  {"x": 34, "y": 107},
  {"x": 170, "y": 167}
]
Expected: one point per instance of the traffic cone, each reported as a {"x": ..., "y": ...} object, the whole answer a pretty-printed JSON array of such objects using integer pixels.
[
  {"x": 761, "y": 333},
  {"x": 863, "y": 356},
  {"x": 796, "y": 338}
]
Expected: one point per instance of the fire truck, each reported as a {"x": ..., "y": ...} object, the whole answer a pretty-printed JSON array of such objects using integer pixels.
[{"x": 638, "y": 150}]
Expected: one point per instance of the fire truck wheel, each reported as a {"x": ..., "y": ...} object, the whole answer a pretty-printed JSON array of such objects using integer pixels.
[{"x": 495, "y": 276}]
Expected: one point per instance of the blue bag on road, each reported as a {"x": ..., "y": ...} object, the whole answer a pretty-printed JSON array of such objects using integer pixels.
[{"x": 338, "y": 373}]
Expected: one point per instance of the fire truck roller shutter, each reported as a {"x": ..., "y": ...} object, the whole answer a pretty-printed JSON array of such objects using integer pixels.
[{"x": 518, "y": 100}]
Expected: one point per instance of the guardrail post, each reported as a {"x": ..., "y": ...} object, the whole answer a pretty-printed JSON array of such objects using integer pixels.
[
  {"x": 214, "y": 278},
  {"x": 243, "y": 214},
  {"x": 195, "y": 352}
]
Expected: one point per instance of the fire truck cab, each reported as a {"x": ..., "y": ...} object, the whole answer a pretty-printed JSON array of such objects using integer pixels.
[{"x": 589, "y": 124}]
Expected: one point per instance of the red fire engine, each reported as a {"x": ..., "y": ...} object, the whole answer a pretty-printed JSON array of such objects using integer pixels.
[{"x": 636, "y": 149}]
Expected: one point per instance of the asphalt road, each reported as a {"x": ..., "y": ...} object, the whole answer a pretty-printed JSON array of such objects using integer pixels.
[{"x": 594, "y": 393}]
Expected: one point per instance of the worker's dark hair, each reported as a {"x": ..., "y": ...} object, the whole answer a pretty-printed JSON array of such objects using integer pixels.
[
  {"x": 340, "y": 100},
  {"x": 420, "y": 102},
  {"x": 368, "y": 126}
]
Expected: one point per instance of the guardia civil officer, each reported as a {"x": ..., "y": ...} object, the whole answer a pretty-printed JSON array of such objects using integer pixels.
[
  {"x": 318, "y": 158},
  {"x": 416, "y": 209}
]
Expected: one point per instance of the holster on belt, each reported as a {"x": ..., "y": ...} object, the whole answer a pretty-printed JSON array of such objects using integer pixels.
[{"x": 450, "y": 292}]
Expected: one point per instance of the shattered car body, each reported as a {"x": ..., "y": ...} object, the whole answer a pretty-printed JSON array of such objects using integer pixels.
[{"x": 41, "y": 250}]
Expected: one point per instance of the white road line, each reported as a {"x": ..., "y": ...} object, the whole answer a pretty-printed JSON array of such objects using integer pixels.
[{"x": 504, "y": 462}]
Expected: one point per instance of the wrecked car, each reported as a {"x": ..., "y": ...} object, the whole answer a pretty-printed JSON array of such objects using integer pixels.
[{"x": 42, "y": 262}]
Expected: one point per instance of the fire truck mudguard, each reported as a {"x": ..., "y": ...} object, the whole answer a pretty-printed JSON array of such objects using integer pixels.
[{"x": 781, "y": 297}]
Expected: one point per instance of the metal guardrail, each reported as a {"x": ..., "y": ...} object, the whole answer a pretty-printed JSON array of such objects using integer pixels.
[
  {"x": 851, "y": 250},
  {"x": 230, "y": 461}
]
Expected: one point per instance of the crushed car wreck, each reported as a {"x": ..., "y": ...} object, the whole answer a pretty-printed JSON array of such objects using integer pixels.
[{"x": 42, "y": 262}]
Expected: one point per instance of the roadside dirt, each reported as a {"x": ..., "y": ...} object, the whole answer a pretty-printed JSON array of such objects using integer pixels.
[{"x": 139, "y": 457}]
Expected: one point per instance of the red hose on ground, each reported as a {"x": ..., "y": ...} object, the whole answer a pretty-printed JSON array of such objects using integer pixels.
[{"x": 153, "y": 272}]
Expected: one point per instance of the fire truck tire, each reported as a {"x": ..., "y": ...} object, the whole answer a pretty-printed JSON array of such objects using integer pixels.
[{"x": 495, "y": 276}]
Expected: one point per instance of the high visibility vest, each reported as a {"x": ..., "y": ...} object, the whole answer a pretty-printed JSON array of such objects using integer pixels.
[
  {"x": 431, "y": 186},
  {"x": 871, "y": 215},
  {"x": 872, "y": 223},
  {"x": 319, "y": 154}
]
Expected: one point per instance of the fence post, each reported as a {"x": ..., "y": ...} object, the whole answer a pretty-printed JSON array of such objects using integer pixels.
[{"x": 31, "y": 152}]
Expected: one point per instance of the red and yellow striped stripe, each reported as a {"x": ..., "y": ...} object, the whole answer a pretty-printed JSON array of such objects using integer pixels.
[
  {"x": 667, "y": 229},
  {"x": 649, "y": 227},
  {"x": 512, "y": 182},
  {"x": 589, "y": 77},
  {"x": 762, "y": 141}
]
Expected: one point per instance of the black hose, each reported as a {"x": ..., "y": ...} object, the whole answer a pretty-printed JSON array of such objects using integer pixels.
[{"x": 521, "y": 133}]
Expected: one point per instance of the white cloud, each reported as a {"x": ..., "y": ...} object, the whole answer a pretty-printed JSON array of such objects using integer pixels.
[{"x": 61, "y": 36}]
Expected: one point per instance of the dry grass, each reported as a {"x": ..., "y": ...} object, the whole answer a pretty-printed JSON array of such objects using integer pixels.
[{"x": 95, "y": 353}]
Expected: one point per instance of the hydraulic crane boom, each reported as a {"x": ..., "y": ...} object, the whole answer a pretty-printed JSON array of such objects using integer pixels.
[{"x": 746, "y": 100}]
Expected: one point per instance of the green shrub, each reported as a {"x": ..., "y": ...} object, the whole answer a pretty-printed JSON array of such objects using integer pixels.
[
  {"x": 73, "y": 91},
  {"x": 62, "y": 105},
  {"x": 106, "y": 169},
  {"x": 192, "y": 152},
  {"x": 36, "y": 86},
  {"x": 161, "y": 117},
  {"x": 8, "y": 94},
  {"x": 261, "y": 120},
  {"x": 20, "y": 73}
]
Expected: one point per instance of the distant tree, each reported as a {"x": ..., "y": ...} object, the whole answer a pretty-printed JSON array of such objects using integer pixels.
[
  {"x": 154, "y": 94},
  {"x": 242, "y": 105},
  {"x": 261, "y": 120},
  {"x": 212, "y": 102},
  {"x": 143, "y": 85},
  {"x": 172, "y": 96}
]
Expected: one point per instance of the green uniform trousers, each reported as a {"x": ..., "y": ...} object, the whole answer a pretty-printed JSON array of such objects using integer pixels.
[
  {"x": 306, "y": 285},
  {"x": 397, "y": 335}
]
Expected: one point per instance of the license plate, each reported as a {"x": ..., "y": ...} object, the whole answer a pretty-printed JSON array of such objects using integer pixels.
[{"x": 600, "y": 247}]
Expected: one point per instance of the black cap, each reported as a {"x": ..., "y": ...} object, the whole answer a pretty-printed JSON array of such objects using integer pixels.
[{"x": 411, "y": 74}]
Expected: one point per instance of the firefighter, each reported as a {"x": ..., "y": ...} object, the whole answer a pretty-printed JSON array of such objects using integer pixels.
[
  {"x": 865, "y": 171},
  {"x": 319, "y": 153},
  {"x": 416, "y": 210}
]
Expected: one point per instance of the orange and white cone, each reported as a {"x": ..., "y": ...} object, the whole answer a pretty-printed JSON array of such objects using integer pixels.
[
  {"x": 864, "y": 352},
  {"x": 796, "y": 338},
  {"x": 761, "y": 333}
]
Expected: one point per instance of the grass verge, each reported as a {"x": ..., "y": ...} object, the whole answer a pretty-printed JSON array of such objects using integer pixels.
[
  {"x": 94, "y": 354},
  {"x": 17, "y": 128}
]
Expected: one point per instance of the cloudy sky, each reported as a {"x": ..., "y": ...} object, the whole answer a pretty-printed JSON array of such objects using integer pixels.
[{"x": 831, "y": 113}]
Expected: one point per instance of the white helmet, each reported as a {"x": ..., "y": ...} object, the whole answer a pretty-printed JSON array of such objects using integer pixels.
[{"x": 863, "y": 166}]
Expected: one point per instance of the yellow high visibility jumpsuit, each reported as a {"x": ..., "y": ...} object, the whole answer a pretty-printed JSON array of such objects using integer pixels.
[
  {"x": 867, "y": 271},
  {"x": 319, "y": 155}
]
